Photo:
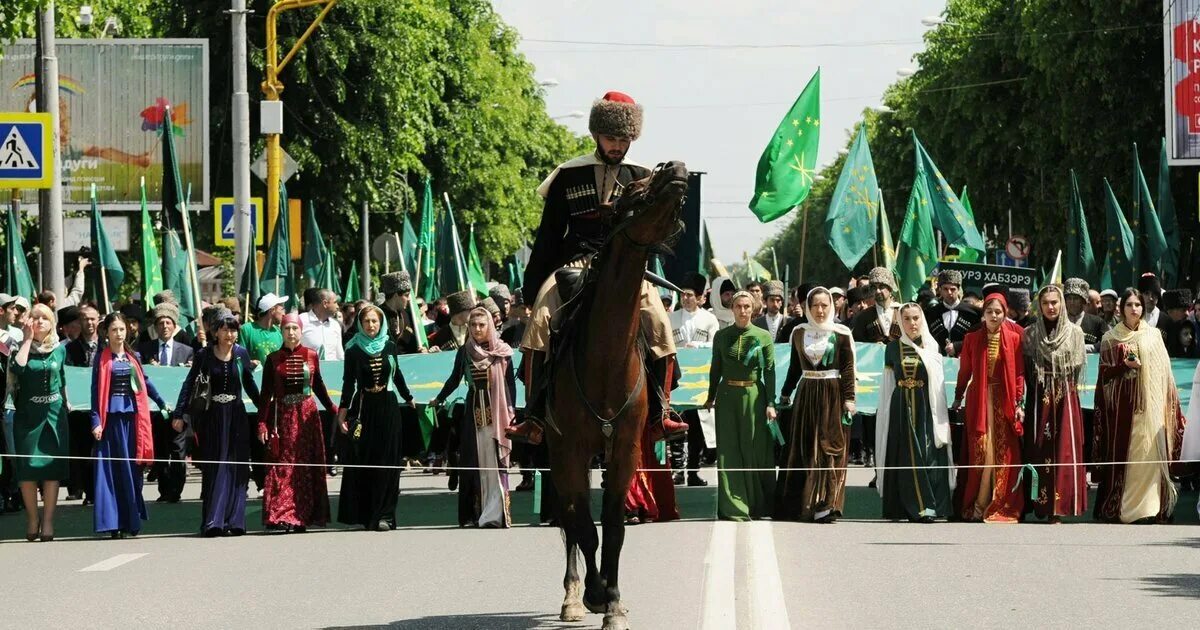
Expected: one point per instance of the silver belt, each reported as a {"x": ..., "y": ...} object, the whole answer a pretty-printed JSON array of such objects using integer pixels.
[
  {"x": 814, "y": 375},
  {"x": 293, "y": 399},
  {"x": 48, "y": 398},
  {"x": 224, "y": 399}
]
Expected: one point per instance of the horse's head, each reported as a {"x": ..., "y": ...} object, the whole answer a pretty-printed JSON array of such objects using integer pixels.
[{"x": 648, "y": 211}]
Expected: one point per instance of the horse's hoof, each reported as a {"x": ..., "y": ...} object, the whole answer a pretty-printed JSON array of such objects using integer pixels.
[
  {"x": 595, "y": 608},
  {"x": 572, "y": 612},
  {"x": 615, "y": 622}
]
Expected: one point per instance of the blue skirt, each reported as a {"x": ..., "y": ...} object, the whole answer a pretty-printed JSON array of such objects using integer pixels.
[{"x": 119, "y": 502}]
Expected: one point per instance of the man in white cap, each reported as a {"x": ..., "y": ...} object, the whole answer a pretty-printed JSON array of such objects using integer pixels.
[{"x": 262, "y": 336}]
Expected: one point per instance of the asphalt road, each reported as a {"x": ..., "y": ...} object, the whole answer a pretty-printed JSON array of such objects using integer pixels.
[{"x": 698, "y": 573}]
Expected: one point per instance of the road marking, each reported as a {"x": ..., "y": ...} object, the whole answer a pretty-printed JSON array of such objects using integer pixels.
[
  {"x": 719, "y": 605},
  {"x": 767, "y": 607},
  {"x": 113, "y": 562}
]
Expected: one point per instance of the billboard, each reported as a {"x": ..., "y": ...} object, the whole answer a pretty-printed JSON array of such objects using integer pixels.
[
  {"x": 1181, "y": 58},
  {"x": 112, "y": 99}
]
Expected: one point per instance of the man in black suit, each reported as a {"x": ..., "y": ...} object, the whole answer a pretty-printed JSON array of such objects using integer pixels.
[
  {"x": 80, "y": 353},
  {"x": 1077, "y": 294},
  {"x": 164, "y": 349},
  {"x": 877, "y": 324},
  {"x": 773, "y": 319},
  {"x": 950, "y": 319}
]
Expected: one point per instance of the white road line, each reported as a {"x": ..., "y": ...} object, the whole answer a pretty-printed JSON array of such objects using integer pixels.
[
  {"x": 113, "y": 562},
  {"x": 767, "y": 608},
  {"x": 719, "y": 605}
]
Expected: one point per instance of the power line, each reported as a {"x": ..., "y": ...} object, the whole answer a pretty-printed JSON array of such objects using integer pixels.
[{"x": 840, "y": 98}]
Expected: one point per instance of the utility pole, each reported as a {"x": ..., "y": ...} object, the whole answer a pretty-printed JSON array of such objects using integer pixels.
[
  {"x": 244, "y": 239},
  {"x": 364, "y": 277},
  {"x": 50, "y": 201}
]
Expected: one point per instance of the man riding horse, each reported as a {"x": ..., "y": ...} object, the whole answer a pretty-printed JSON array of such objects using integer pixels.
[{"x": 579, "y": 195}]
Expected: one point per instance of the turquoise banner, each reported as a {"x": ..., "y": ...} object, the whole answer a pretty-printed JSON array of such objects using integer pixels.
[{"x": 425, "y": 374}]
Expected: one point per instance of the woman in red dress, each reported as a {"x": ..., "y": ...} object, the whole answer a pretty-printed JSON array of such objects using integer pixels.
[
  {"x": 992, "y": 374},
  {"x": 294, "y": 497}
]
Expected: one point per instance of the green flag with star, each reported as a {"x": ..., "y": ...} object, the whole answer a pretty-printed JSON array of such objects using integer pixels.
[
  {"x": 969, "y": 255},
  {"x": 1078, "y": 260},
  {"x": 786, "y": 167},
  {"x": 1118, "y": 246},
  {"x": 152, "y": 280},
  {"x": 917, "y": 254},
  {"x": 886, "y": 244},
  {"x": 949, "y": 216},
  {"x": 425, "y": 276},
  {"x": 1170, "y": 222},
  {"x": 850, "y": 222},
  {"x": 1150, "y": 246}
]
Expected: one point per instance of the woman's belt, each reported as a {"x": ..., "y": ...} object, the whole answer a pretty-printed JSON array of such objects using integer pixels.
[
  {"x": 375, "y": 390},
  {"x": 910, "y": 383},
  {"x": 733, "y": 383},
  {"x": 292, "y": 399},
  {"x": 820, "y": 374},
  {"x": 48, "y": 398},
  {"x": 223, "y": 399}
]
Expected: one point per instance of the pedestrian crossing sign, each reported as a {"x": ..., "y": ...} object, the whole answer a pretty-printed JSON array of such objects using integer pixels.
[
  {"x": 26, "y": 158},
  {"x": 224, "y": 215}
]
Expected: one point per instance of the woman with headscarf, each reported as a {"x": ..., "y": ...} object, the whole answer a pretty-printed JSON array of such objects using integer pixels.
[
  {"x": 1054, "y": 355},
  {"x": 489, "y": 410},
  {"x": 823, "y": 365},
  {"x": 221, "y": 426},
  {"x": 1137, "y": 420},
  {"x": 294, "y": 497},
  {"x": 121, "y": 395},
  {"x": 912, "y": 436},
  {"x": 991, "y": 373},
  {"x": 742, "y": 388},
  {"x": 37, "y": 382},
  {"x": 372, "y": 390}
]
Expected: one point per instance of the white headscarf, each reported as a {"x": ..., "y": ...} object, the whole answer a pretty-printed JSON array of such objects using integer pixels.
[
  {"x": 827, "y": 326},
  {"x": 936, "y": 384},
  {"x": 723, "y": 313}
]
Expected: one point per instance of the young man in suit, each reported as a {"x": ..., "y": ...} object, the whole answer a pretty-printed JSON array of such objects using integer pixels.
[
  {"x": 773, "y": 319},
  {"x": 950, "y": 319}
]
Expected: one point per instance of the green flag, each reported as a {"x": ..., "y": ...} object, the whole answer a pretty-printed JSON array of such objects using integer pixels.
[
  {"x": 329, "y": 272},
  {"x": 1078, "y": 260},
  {"x": 969, "y": 255},
  {"x": 277, "y": 268},
  {"x": 408, "y": 247},
  {"x": 886, "y": 244},
  {"x": 109, "y": 269},
  {"x": 250, "y": 282},
  {"x": 1170, "y": 222},
  {"x": 426, "y": 275},
  {"x": 754, "y": 270},
  {"x": 513, "y": 281},
  {"x": 452, "y": 265},
  {"x": 850, "y": 223},
  {"x": 315, "y": 254},
  {"x": 1119, "y": 246},
  {"x": 786, "y": 167},
  {"x": 17, "y": 280},
  {"x": 353, "y": 285},
  {"x": 706, "y": 250},
  {"x": 947, "y": 211},
  {"x": 1150, "y": 245},
  {"x": 917, "y": 255},
  {"x": 176, "y": 277},
  {"x": 475, "y": 266},
  {"x": 152, "y": 280}
]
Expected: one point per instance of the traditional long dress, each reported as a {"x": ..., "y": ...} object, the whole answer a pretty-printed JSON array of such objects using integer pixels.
[
  {"x": 1054, "y": 419},
  {"x": 372, "y": 390},
  {"x": 822, "y": 373},
  {"x": 1138, "y": 419},
  {"x": 651, "y": 494},
  {"x": 483, "y": 498},
  {"x": 742, "y": 382},
  {"x": 121, "y": 395},
  {"x": 40, "y": 420},
  {"x": 222, "y": 435},
  {"x": 913, "y": 435},
  {"x": 992, "y": 373},
  {"x": 294, "y": 496}
]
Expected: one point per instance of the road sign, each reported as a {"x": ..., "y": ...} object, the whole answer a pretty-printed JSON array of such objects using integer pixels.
[
  {"x": 224, "y": 217},
  {"x": 386, "y": 249},
  {"x": 26, "y": 155},
  {"x": 259, "y": 167},
  {"x": 1017, "y": 247},
  {"x": 77, "y": 232}
]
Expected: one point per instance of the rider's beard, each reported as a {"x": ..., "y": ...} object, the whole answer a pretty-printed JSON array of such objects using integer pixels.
[{"x": 611, "y": 157}]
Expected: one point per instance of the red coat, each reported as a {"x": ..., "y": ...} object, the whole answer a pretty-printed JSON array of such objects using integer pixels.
[
  {"x": 144, "y": 435},
  {"x": 972, "y": 368}
]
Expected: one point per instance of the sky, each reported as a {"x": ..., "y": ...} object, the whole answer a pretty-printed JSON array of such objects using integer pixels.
[{"x": 716, "y": 77}]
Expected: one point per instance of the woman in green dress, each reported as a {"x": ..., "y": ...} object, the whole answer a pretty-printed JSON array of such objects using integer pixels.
[
  {"x": 742, "y": 388},
  {"x": 38, "y": 384},
  {"x": 812, "y": 486},
  {"x": 912, "y": 434}
]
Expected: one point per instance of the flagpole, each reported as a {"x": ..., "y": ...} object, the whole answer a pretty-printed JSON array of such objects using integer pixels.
[
  {"x": 803, "y": 241},
  {"x": 97, "y": 225},
  {"x": 191, "y": 252}
]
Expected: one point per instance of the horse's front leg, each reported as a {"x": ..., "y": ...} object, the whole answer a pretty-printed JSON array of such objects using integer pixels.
[
  {"x": 621, "y": 469},
  {"x": 574, "y": 517}
]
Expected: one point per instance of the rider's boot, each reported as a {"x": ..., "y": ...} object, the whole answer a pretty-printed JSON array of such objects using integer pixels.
[
  {"x": 664, "y": 423},
  {"x": 531, "y": 431}
]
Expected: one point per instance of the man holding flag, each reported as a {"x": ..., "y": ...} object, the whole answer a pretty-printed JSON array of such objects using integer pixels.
[{"x": 577, "y": 194}]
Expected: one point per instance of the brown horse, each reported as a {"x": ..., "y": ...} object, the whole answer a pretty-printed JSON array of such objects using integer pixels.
[{"x": 599, "y": 395}]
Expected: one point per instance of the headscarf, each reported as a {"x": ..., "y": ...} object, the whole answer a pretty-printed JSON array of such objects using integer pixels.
[
  {"x": 723, "y": 313},
  {"x": 291, "y": 318},
  {"x": 493, "y": 355},
  {"x": 936, "y": 388},
  {"x": 733, "y": 300},
  {"x": 370, "y": 345},
  {"x": 1056, "y": 354},
  {"x": 828, "y": 326}
]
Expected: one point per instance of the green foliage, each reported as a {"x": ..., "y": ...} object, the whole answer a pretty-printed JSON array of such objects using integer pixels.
[
  {"x": 1082, "y": 81},
  {"x": 18, "y": 18}
]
